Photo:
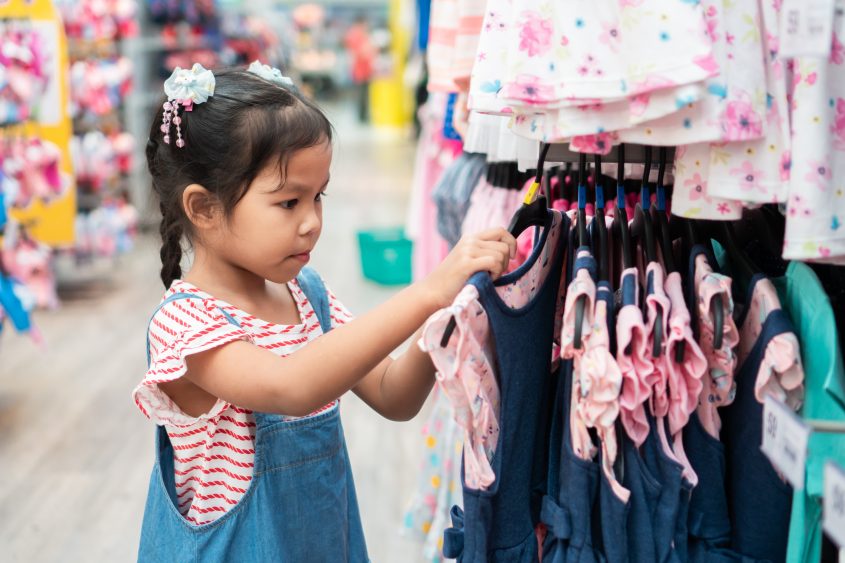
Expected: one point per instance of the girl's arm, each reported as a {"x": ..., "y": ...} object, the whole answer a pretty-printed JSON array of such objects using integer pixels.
[
  {"x": 251, "y": 377},
  {"x": 397, "y": 389}
]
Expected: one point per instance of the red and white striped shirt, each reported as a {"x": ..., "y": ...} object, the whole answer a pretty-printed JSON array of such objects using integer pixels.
[{"x": 214, "y": 453}]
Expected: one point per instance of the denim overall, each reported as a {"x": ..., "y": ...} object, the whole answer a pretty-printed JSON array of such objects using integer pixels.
[
  {"x": 497, "y": 524},
  {"x": 759, "y": 502},
  {"x": 670, "y": 475},
  {"x": 644, "y": 488},
  {"x": 568, "y": 508},
  {"x": 300, "y": 505},
  {"x": 708, "y": 521},
  {"x": 613, "y": 511}
]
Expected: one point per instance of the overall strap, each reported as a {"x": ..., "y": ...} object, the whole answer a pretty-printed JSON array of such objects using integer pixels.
[
  {"x": 177, "y": 297},
  {"x": 315, "y": 290}
]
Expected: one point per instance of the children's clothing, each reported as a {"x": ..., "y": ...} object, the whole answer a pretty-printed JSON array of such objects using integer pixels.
[{"x": 499, "y": 523}]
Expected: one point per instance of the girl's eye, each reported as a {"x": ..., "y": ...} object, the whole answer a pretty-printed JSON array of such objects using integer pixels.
[
  {"x": 289, "y": 204},
  {"x": 320, "y": 196}
]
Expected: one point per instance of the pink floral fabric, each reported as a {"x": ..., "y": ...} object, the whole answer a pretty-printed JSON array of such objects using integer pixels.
[
  {"x": 816, "y": 206},
  {"x": 634, "y": 364},
  {"x": 719, "y": 386},
  {"x": 465, "y": 375}
]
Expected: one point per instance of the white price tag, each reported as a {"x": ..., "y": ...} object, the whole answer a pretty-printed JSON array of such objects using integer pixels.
[
  {"x": 834, "y": 503},
  {"x": 806, "y": 28},
  {"x": 785, "y": 439}
]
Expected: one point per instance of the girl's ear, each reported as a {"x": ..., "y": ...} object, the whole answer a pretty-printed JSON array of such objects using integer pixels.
[{"x": 201, "y": 207}]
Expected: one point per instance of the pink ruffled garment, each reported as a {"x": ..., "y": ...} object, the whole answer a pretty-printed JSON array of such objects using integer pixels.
[
  {"x": 658, "y": 380},
  {"x": 581, "y": 285},
  {"x": 685, "y": 376},
  {"x": 661, "y": 405},
  {"x": 781, "y": 373},
  {"x": 600, "y": 385},
  {"x": 719, "y": 387},
  {"x": 465, "y": 374},
  {"x": 634, "y": 364}
]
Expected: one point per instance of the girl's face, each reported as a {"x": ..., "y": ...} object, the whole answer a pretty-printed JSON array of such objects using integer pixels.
[{"x": 274, "y": 227}]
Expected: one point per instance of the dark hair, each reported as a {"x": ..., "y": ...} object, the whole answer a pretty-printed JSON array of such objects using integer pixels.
[{"x": 229, "y": 140}]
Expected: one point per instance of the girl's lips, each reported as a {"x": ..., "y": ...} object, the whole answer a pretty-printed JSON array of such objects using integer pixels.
[{"x": 304, "y": 257}]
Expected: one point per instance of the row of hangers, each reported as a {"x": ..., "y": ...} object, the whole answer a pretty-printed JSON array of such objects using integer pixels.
[{"x": 651, "y": 225}]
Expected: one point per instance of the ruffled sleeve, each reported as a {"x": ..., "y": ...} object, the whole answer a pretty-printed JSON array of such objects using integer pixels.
[
  {"x": 685, "y": 377},
  {"x": 781, "y": 374},
  {"x": 179, "y": 329}
]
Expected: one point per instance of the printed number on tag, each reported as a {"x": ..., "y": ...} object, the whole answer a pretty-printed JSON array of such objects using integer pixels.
[
  {"x": 834, "y": 503},
  {"x": 785, "y": 439},
  {"x": 806, "y": 28}
]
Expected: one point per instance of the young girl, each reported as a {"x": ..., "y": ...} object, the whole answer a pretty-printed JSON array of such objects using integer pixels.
[{"x": 249, "y": 352}]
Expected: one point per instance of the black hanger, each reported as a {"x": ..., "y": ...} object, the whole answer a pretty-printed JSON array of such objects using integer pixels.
[
  {"x": 581, "y": 302},
  {"x": 601, "y": 225},
  {"x": 691, "y": 235},
  {"x": 741, "y": 265},
  {"x": 665, "y": 233},
  {"x": 532, "y": 212},
  {"x": 643, "y": 225},
  {"x": 661, "y": 220},
  {"x": 622, "y": 212}
]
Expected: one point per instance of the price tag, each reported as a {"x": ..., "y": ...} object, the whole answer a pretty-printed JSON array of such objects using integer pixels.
[
  {"x": 806, "y": 28},
  {"x": 834, "y": 503},
  {"x": 785, "y": 439}
]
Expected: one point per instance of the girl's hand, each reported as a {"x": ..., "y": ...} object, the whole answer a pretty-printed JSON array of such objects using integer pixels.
[{"x": 489, "y": 250}]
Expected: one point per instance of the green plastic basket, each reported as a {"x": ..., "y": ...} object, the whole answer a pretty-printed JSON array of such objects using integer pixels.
[{"x": 386, "y": 255}]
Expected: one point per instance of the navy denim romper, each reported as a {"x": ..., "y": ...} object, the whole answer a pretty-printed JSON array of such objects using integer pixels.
[
  {"x": 759, "y": 502},
  {"x": 644, "y": 488},
  {"x": 573, "y": 485},
  {"x": 709, "y": 521},
  {"x": 498, "y": 524},
  {"x": 300, "y": 505},
  {"x": 613, "y": 511}
]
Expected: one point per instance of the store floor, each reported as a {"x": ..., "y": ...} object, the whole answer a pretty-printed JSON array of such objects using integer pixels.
[{"x": 75, "y": 453}]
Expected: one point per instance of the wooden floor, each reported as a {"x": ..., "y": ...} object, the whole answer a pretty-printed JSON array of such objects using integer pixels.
[{"x": 75, "y": 454}]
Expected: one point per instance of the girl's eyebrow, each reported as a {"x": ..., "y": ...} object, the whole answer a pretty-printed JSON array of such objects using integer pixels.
[{"x": 296, "y": 187}]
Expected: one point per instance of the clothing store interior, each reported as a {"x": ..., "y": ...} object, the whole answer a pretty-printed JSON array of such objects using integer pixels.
[{"x": 603, "y": 240}]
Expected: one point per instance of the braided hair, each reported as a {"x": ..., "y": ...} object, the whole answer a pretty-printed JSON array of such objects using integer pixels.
[{"x": 248, "y": 124}]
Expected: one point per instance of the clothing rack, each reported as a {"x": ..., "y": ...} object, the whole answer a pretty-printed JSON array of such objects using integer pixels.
[{"x": 634, "y": 154}]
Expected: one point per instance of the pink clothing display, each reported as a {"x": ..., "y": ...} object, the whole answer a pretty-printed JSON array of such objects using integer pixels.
[
  {"x": 635, "y": 362},
  {"x": 685, "y": 376},
  {"x": 719, "y": 386},
  {"x": 465, "y": 375}
]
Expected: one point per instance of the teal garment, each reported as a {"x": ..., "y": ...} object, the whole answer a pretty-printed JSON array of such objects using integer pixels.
[{"x": 809, "y": 308}]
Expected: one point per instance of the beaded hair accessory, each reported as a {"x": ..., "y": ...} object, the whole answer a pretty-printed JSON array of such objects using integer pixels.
[{"x": 184, "y": 88}]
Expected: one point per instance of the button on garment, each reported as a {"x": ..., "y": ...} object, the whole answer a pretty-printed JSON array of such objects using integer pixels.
[
  {"x": 301, "y": 504},
  {"x": 498, "y": 524}
]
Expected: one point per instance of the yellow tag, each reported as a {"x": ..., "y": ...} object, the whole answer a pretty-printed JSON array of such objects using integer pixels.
[{"x": 532, "y": 192}]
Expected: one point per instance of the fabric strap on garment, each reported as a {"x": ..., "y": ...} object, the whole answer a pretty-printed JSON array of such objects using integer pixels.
[{"x": 309, "y": 282}]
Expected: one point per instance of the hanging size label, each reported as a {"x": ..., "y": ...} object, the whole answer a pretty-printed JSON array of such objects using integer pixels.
[
  {"x": 834, "y": 503},
  {"x": 785, "y": 439},
  {"x": 806, "y": 28}
]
